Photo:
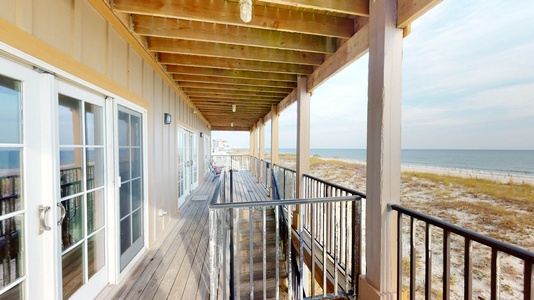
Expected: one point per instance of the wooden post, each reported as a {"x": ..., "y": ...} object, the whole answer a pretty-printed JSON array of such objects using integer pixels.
[
  {"x": 261, "y": 129},
  {"x": 274, "y": 134},
  {"x": 303, "y": 139},
  {"x": 256, "y": 146},
  {"x": 383, "y": 150}
]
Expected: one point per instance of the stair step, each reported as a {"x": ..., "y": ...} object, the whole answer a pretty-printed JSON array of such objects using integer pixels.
[
  {"x": 244, "y": 266},
  {"x": 256, "y": 212}
]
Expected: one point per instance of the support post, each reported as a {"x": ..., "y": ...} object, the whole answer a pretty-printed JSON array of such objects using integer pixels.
[
  {"x": 274, "y": 134},
  {"x": 303, "y": 139},
  {"x": 251, "y": 150},
  {"x": 261, "y": 129},
  {"x": 383, "y": 150}
]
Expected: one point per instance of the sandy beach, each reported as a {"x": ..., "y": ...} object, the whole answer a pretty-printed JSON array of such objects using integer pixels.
[{"x": 495, "y": 205}]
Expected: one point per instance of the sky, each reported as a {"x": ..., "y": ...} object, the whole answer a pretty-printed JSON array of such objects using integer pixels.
[{"x": 468, "y": 83}]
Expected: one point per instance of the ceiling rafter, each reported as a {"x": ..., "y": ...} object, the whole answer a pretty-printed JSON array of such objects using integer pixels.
[
  {"x": 233, "y": 51},
  {"x": 223, "y": 80},
  {"x": 227, "y": 12},
  {"x": 354, "y": 7},
  {"x": 238, "y": 74}
]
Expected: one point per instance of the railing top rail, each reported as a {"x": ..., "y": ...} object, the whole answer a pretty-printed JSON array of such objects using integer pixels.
[
  {"x": 287, "y": 169},
  {"x": 474, "y": 236},
  {"x": 217, "y": 192},
  {"x": 230, "y": 155},
  {"x": 281, "y": 202},
  {"x": 339, "y": 187}
]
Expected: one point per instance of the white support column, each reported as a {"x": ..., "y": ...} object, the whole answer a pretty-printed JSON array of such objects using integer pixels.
[
  {"x": 251, "y": 150},
  {"x": 274, "y": 134},
  {"x": 303, "y": 133},
  {"x": 383, "y": 150},
  {"x": 256, "y": 146},
  {"x": 261, "y": 127}
]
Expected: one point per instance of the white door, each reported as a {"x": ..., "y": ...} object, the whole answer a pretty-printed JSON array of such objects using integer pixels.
[
  {"x": 187, "y": 163},
  {"x": 129, "y": 138},
  {"x": 181, "y": 165},
  {"x": 20, "y": 188},
  {"x": 82, "y": 165}
]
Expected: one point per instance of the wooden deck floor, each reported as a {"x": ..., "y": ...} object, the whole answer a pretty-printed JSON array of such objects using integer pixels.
[{"x": 178, "y": 267}]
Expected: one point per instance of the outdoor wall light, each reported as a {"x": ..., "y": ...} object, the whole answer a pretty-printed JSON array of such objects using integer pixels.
[
  {"x": 232, "y": 124},
  {"x": 201, "y": 134},
  {"x": 245, "y": 10},
  {"x": 167, "y": 118},
  {"x": 234, "y": 107}
]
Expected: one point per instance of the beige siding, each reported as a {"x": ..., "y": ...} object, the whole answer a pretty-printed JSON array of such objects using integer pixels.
[
  {"x": 79, "y": 34},
  {"x": 94, "y": 30}
]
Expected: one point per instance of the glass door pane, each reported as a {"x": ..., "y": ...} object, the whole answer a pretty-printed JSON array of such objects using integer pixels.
[
  {"x": 131, "y": 183},
  {"x": 12, "y": 270},
  {"x": 82, "y": 190}
]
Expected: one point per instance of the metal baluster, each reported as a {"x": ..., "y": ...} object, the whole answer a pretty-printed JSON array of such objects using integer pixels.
[
  {"x": 213, "y": 253},
  {"x": 277, "y": 241},
  {"x": 336, "y": 247},
  {"x": 301, "y": 252},
  {"x": 237, "y": 245},
  {"x": 251, "y": 254},
  {"x": 412, "y": 258},
  {"x": 290, "y": 263},
  {"x": 312, "y": 231},
  {"x": 324, "y": 247},
  {"x": 399, "y": 256},
  {"x": 428, "y": 262},
  {"x": 446, "y": 264},
  {"x": 264, "y": 253},
  {"x": 346, "y": 227}
]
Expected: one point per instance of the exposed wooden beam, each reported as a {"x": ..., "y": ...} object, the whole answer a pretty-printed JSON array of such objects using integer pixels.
[
  {"x": 409, "y": 10},
  {"x": 235, "y": 35},
  {"x": 173, "y": 69},
  {"x": 221, "y": 96},
  {"x": 227, "y": 103},
  {"x": 354, "y": 48},
  {"x": 349, "y": 7},
  {"x": 227, "y": 12},
  {"x": 104, "y": 10},
  {"x": 224, "y": 80},
  {"x": 234, "y": 87},
  {"x": 233, "y": 51},
  {"x": 228, "y": 128},
  {"x": 222, "y": 93},
  {"x": 290, "y": 98},
  {"x": 232, "y": 64}
]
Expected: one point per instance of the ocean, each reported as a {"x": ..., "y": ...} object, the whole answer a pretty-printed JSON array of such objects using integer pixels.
[{"x": 517, "y": 163}]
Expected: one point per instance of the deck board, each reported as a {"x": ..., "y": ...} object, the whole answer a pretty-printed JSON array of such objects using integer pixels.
[{"x": 178, "y": 267}]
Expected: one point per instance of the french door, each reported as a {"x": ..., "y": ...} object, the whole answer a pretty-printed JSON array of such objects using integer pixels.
[
  {"x": 131, "y": 192},
  {"x": 187, "y": 163},
  {"x": 52, "y": 187},
  {"x": 82, "y": 201}
]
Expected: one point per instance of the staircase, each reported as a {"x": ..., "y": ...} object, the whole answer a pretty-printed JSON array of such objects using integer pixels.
[{"x": 243, "y": 239}]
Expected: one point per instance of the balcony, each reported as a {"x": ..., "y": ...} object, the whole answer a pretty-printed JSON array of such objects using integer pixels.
[{"x": 236, "y": 241}]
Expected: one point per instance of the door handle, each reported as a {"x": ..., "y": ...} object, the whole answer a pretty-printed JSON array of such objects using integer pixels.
[
  {"x": 63, "y": 213},
  {"x": 43, "y": 211}
]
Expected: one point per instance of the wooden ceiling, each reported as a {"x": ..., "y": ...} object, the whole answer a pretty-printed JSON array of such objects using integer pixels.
[{"x": 217, "y": 60}]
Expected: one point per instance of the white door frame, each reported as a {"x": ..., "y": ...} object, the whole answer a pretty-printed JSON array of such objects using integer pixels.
[{"x": 116, "y": 275}]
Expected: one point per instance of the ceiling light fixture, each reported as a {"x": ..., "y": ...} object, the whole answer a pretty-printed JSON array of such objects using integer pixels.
[
  {"x": 245, "y": 10},
  {"x": 234, "y": 107}
]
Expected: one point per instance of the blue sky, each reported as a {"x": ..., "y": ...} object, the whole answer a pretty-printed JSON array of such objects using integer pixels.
[{"x": 468, "y": 83}]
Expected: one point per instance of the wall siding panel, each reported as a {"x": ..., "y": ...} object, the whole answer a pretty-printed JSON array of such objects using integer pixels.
[
  {"x": 53, "y": 23},
  {"x": 94, "y": 50}
]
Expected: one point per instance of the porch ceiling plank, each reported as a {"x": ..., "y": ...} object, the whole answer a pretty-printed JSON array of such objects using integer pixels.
[
  {"x": 227, "y": 12},
  {"x": 236, "y": 35},
  {"x": 223, "y": 97},
  {"x": 242, "y": 104},
  {"x": 409, "y": 10},
  {"x": 228, "y": 128},
  {"x": 174, "y": 69},
  {"x": 354, "y": 7},
  {"x": 232, "y": 64},
  {"x": 235, "y": 88},
  {"x": 156, "y": 44},
  {"x": 353, "y": 49},
  {"x": 223, "y": 80}
]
